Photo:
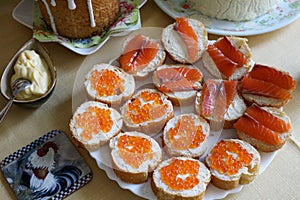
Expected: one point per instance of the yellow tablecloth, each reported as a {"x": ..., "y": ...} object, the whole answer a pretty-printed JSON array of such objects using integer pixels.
[{"x": 281, "y": 48}]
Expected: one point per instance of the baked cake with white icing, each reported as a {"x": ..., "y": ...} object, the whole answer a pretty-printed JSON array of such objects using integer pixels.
[
  {"x": 79, "y": 18},
  {"x": 234, "y": 10}
]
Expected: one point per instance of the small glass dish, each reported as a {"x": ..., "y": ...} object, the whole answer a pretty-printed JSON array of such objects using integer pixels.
[{"x": 6, "y": 91}]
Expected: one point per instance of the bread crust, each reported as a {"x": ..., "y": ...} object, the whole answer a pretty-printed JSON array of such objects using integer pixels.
[
  {"x": 262, "y": 146},
  {"x": 178, "y": 98},
  {"x": 100, "y": 139},
  {"x": 241, "y": 45},
  {"x": 194, "y": 152},
  {"x": 151, "y": 127},
  {"x": 114, "y": 100},
  {"x": 158, "y": 60},
  {"x": 236, "y": 109},
  {"x": 169, "y": 35},
  {"x": 124, "y": 170},
  {"x": 195, "y": 193},
  {"x": 244, "y": 176}
]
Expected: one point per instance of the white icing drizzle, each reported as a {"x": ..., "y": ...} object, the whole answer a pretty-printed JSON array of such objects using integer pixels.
[
  {"x": 50, "y": 16},
  {"x": 71, "y": 4},
  {"x": 53, "y": 2},
  {"x": 90, "y": 8}
]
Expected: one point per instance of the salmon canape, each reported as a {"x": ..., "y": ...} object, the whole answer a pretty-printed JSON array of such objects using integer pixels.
[
  {"x": 134, "y": 156},
  {"x": 233, "y": 162},
  {"x": 266, "y": 128},
  {"x": 219, "y": 100},
  {"x": 267, "y": 86},
  {"x": 147, "y": 111},
  {"x": 186, "y": 135},
  {"x": 179, "y": 82},
  {"x": 185, "y": 40},
  {"x": 228, "y": 58},
  {"x": 180, "y": 178},
  {"x": 109, "y": 84},
  {"x": 141, "y": 55},
  {"x": 94, "y": 124}
]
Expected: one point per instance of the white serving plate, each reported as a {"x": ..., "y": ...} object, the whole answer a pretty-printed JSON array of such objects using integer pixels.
[
  {"x": 102, "y": 156},
  {"x": 283, "y": 14}
]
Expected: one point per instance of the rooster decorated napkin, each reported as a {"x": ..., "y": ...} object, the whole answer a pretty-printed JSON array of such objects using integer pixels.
[{"x": 48, "y": 168}]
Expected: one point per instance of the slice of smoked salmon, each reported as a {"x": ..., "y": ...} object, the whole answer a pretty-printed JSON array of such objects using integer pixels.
[
  {"x": 223, "y": 63},
  {"x": 214, "y": 89},
  {"x": 254, "y": 129},
  {"x": 263, "y": 88},
  {"x": 268, "y": 120},
  {"x": 139, "y": 52},
  {"x": 230, "y": 90},
  {"x": 272, "y": 75},
  {"x": 231, "y": 52},
  {"x": 177, "y": 73},
  {"x": 189, "y": 37},
  {"x": 179, "y": 79}
]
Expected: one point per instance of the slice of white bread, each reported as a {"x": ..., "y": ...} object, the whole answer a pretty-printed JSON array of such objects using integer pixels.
[
  {"x": 186, "y": 135},
  {"x": 180, "y": 97},
  {"x": 175, "y": 45},
  {"x": 240, "y": 44},
  {"x": 180, "y": 178},
  {"x": 134, "y": 156},
  {"x": 236, "y": 108},
  {"x": 109, "y": 84},
  {"x": 277, "y": 81},
  {"x": 157, "y": 60},
  {"x": 94, "y": 123},
  {"x": 278, "y": 139},
  {"x": 232, "y": 162},
  {"x": 147, "y": 111}
]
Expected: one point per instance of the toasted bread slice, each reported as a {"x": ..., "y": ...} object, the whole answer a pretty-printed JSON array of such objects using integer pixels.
[
  {"x": 141, "y": 55},
  {"x": 109, "y": 84},
  {"x": 179, "y": 82},
  {"x": 228, "y": 107},
  {"x": 220, "y": 66},
  {"x": 233, "y": 162},
  {"x": 186, "y": 135},
  {"x": 147, "y": 111},
  {"x": 180, "y": 178},
  {"x": 134, "y": 156},
  {"x": 267, "y": 86},
  {"x": 94, "y": 123},
  {"x": 266, "y": 128},
  {"x": 185, "y": 40}
]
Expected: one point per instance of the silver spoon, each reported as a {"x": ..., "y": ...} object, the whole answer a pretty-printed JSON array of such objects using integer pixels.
[{"x": 17, "y": 86}]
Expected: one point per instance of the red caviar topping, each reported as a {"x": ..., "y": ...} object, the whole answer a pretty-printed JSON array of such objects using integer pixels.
[
  {"x": 147, "y": 107},
  {"x": 107, "y": 83},
  {"x": 180, "y": 174},
  {"x": 228, "y": 157},
  {"x": 186, "y": 134},
  {"x": 134, "y": 150},
  {"x": 94, "y": 120}
]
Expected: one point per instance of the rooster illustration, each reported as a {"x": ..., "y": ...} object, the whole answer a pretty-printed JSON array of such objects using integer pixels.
[{"x": 46, "y": 179}]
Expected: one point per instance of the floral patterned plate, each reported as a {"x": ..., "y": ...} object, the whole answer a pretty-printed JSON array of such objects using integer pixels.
[
  {"x": 283, "y": 14},
  {"x": 129, "y": 20}
]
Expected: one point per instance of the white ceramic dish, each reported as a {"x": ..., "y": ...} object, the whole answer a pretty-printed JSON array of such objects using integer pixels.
[
  {"x": 285, "y": 13},
  {"x": 102, "y": 156},
  {"x": 23, "y": 13}
]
